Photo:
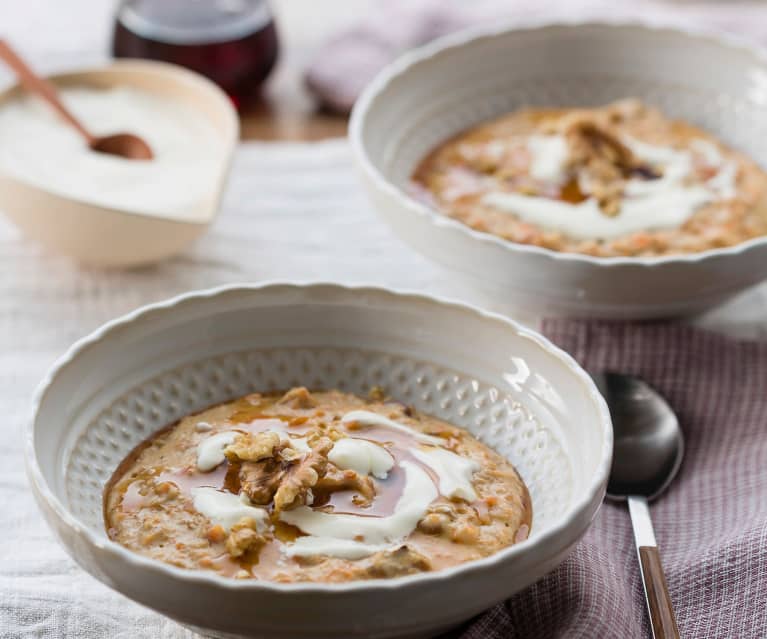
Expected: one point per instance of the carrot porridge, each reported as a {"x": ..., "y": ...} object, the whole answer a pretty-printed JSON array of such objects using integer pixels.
[
  {"x": 324, "y": 487},
  {"x": 619, "y": 180}
]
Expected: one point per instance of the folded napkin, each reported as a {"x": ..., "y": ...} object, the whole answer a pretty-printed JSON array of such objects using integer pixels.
[
  {"x": 345, "y": 64},
  {"x": 711, "y": 524}
]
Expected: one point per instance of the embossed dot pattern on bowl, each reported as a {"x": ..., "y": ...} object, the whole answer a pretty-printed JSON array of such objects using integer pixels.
[{"x": 482, "y": 409}]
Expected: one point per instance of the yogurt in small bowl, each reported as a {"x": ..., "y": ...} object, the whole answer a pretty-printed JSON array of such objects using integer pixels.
[{"x": 105, "y": 210}]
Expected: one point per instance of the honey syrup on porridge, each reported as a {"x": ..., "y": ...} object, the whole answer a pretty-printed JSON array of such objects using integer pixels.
[{"x": 315, "y": 486}]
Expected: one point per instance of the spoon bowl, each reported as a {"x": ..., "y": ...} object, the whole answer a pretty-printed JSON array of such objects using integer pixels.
[
  {"x": 125, "y": 145},
  {"x": 648, "y": 447}
]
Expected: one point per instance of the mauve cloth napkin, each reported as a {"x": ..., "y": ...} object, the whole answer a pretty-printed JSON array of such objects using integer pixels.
[
  {"x": 345, "y": 64},
  {"x": 711, "y": 524}
]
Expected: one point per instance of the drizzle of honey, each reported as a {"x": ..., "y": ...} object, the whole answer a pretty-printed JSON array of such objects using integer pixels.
[
  {"x": 285, "y": 533},
  {"x": 229, "y": 567},
  {"x": 571, "y": 192},
  {"x": 132, "y": 499},
  {"x": 248, "y": 417},
  {"x": 187, "y": 479},
  {"x": 388, "y": 492}
]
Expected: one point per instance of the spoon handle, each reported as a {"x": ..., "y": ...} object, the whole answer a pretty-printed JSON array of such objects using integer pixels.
[
  {"x": 659, "y": 605},
  {"x": 40, "y": 86}
]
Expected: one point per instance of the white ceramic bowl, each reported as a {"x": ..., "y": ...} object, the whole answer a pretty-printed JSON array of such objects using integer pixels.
[
  {"x": 110, "y": 237},
  {"x": 435, "y": 92},
  {"x": 506, "y": 384}
]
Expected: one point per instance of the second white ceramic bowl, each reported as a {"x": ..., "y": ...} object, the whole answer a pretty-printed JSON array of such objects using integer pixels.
[
  {"x": 435, "y": 92},
  {"x": 504, "y": 383}
]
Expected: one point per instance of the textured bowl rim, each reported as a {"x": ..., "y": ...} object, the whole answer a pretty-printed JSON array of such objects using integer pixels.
[
  {"x": 229, "y": 139},
  {"x": 579, "y": 506},
  {"x": 465, "y": 38}
]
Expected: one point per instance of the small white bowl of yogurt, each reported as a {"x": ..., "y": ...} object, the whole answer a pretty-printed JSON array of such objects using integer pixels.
[{"x": 104, "y": 210}]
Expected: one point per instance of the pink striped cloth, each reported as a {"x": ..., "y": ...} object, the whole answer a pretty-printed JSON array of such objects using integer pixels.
[
  {"x": 348, "y": 61},
  {"x": 711, "y": 525}
]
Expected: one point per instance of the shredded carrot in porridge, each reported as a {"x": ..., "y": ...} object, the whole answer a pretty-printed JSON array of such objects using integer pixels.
[
  {"x": 321, "y": 486},
  {"x": 618, "y": 180}
]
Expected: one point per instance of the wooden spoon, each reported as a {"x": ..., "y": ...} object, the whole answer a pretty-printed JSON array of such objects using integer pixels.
[{"x": 125, "y": 145}]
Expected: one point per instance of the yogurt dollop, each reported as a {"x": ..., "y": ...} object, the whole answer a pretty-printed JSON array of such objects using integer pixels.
[
  {"x": 343, "y": 548},
  {"x": 455, "y": 472},
  {"x": 39, "y": 148},
  {"x": 666, "y": 202},
  {"x": 375, "y": 532},
  {"x": 210, "y": 451},
  {"x": 361, "y": 455},
  {"x": 227, "y": 509},
  {"x": 368, "y": 418}
]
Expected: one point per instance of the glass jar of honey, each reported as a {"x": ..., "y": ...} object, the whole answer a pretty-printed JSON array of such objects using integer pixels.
[{"x": 232, "y": 42}]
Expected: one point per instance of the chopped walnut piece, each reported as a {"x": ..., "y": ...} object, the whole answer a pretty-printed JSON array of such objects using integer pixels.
[
  {"x": 434, "y": 523},
  {"x": 300, "y": 477},
  {"x": 438, "y": 519},
  {"x": 243, "y": 536},
  {"x": 596, "y": 154},
  {"x": 602, "y": 160},
  {"x": 335, "y": 434},
  {"x": 260, "y": 480},
  {"x": 252, "y": 447},
  {"x": 376, "y": 394},
  {"x": 298, "y": 397},
  {"x": 395, "y": 563},
  {"x": 289, "y": 454},
  {"x": 336, "y": 480},
  {"x": 274, "y": 471}
]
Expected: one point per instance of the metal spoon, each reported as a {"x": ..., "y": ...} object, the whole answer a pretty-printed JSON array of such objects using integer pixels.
[
  {"x": 125, "y": 145},
  {"x": 647, "y": 455}
]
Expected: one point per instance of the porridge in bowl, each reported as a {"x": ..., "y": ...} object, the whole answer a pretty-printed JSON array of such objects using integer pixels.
[
  {"x": 323, "y": 487},
  {"x": 619, "y": 180}
]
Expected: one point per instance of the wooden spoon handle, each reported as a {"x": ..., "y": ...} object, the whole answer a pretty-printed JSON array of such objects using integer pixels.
[
  {"x": 659, "y": 606},
  {"x": 658, "y": 600},
  {"x": 40, "y": 86}
]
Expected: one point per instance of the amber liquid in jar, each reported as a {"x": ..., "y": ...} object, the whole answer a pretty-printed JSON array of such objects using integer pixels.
[{"x": 232, "y": 42}]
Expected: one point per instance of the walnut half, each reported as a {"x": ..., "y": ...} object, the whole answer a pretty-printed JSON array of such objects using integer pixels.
[
  {"x": 260, "y": 480},
  {"x": 301, "y": 476},
  {"x": 267, "y": 474},
  {"x": 597, "y": 156}
]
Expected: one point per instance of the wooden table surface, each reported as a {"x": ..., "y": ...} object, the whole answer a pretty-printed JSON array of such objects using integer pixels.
[
  {"x": 289, "y": 111},
  {"x": 294, "y": 116}
]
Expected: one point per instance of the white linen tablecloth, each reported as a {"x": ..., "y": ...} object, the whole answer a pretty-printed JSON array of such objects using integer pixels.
[{"x": 291, "y": 211}]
